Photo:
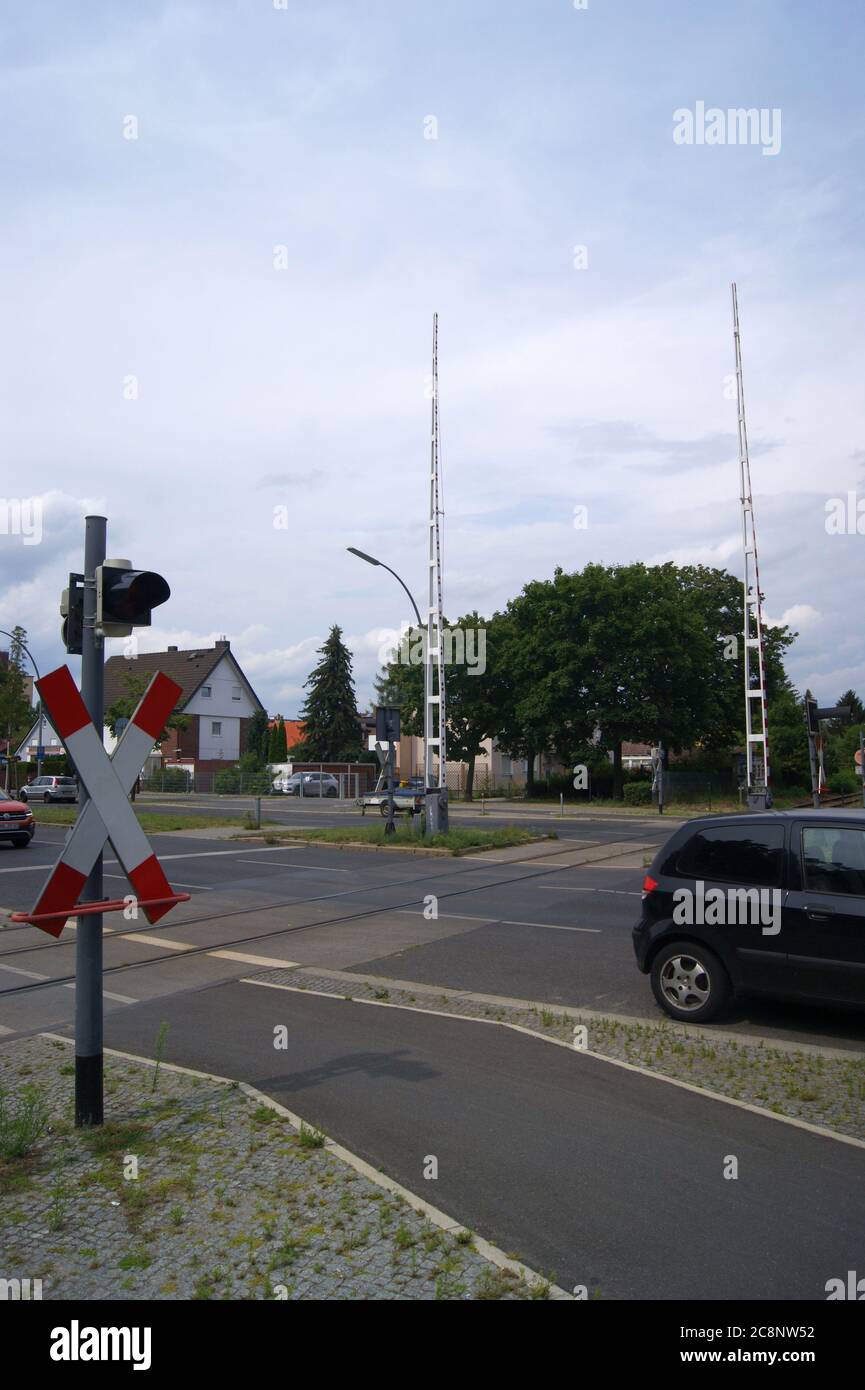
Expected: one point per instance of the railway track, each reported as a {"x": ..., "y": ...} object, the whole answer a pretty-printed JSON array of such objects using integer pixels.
[{"x": 15, "y": 991}]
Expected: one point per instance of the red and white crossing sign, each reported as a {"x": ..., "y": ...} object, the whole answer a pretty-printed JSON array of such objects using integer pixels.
[{"x": 108, "y": 815}]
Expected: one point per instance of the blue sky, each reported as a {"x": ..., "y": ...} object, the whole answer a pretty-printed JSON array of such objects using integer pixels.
[{"x": 304, "y": 387}]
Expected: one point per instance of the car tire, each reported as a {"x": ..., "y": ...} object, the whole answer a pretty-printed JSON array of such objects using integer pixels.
[
  {"x": 47, "y": 797},
  {"x": 21, "y": 841},
  {"x": 689, "y": 982},
  {"x": 22, "y": 794},
  {"x": 331, "y": 791}
]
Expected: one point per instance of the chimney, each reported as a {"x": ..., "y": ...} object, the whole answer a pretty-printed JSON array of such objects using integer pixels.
[
  {"x": 172, "y": 649},
  {"x": 223, "y": 644}
]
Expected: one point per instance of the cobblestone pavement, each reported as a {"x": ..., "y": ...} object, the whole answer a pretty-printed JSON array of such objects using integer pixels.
[
  {"x": 827, "y": 1091},
  {"x": 192, "y": 1190}
]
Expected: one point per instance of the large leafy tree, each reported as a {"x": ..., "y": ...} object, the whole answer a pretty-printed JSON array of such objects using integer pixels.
[
  {"x": 622, "y": 652},
  {"x": 471, "y": 704},
  {"x": 332, "y": 731}
]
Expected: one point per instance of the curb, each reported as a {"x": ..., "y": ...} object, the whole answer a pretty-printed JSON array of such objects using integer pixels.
[
  {"x": 438, "y": 1218},
  {"x": 577, "y": 1012}
]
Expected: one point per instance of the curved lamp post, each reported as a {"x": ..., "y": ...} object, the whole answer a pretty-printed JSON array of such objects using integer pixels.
[
  {"x": 32, "y": 660},
  {"x": 427, "y": 760}
]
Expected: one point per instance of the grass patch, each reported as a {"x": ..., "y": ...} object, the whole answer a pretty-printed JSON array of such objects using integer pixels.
[
  {"x": 459, "y": 839},
  {"x": 151, "y": 821}
]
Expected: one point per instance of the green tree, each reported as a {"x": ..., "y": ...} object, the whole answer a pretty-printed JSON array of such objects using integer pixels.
[
  {"x": 630, "y": 652},
  {"x": 125, "y": 705},
  {"x": 278, "y": 744},
  {"x": 258, "y": 736},
  {"x": 16, "y": 713},
  {"x": 332, "y": 731},
  {"x": 471, "y": 712}
]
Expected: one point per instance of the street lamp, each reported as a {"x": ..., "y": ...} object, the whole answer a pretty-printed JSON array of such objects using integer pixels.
[
  {"x": 427, "y": 750},
  {"x": 39, "y": 749},
  {"x": 370, "y": 560}
]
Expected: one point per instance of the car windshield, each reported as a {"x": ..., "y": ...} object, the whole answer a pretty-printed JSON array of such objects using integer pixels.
[{"x": 4, "y": 796}]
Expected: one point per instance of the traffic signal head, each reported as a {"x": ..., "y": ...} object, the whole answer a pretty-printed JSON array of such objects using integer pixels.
[
  {"x": 125, "y": 597},
  {"x": 812, "y": 723},
  {"x": 72, "y": 613}
]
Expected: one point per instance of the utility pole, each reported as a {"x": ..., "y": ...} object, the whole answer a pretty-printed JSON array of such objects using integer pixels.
[
  {"x": 756, "y": 725},
  {"x": 435, "y": 714},
  {"x": 88, "y": 956}
]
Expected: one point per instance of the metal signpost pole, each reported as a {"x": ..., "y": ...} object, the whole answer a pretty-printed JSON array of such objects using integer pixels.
[
  {"x": 862, "y": 761},
  {"x": 88, "y": 961}
]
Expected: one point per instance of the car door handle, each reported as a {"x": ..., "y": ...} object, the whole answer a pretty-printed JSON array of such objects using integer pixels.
[{"x": 819, "y": 914}]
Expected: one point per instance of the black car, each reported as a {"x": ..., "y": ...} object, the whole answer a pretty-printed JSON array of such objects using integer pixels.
[{"x": 771, "y": 903}]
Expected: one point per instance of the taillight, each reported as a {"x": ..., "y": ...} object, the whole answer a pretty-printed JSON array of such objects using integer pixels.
[{"x": 649, "y": 884}]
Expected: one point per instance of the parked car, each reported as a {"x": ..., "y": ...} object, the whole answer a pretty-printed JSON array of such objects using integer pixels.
[
  {"x": 16, "y": 821},
  {"x": 771, "y": 904},
  {"x": 307, "y": 784},
  {"x": 50, "y": 789}
]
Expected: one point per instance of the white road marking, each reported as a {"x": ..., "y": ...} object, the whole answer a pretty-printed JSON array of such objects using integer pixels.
[
  {"x": 253, "y": 960},
  {"x": 164, "y": 941},
  {"x": 31, "y": 974},
  {"x": 567, "y": 888},
  {"x": 118, "y": 998},
  {"x": 202, "y": 887},
  {"x": 502, "y": 921},
  {"x": 320, "y": 868}
]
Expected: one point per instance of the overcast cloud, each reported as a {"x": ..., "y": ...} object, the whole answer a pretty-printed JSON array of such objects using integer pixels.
[{"x": 270, "y": 138}]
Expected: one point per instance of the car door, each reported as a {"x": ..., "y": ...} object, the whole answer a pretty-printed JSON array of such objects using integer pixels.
[
  {"x": 824, "y": 917},
  {"x": 745, "y": 863},
  {"x": 36, "y": 790}
]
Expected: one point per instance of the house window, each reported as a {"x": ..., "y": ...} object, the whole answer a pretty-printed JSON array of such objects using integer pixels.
[
  {"x": 205, "y": 692},
  {"x": 235, "y": 692},
  {"x": 216, "y": 726}
]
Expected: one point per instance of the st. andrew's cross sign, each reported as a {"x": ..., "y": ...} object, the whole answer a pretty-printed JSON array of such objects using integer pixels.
[{"x": 108, "y": 814}]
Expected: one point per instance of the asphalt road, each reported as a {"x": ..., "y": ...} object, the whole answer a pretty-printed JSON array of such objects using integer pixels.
[
  {"x": 551, "y": 930},
  {"x": 599, "y": 1176}
]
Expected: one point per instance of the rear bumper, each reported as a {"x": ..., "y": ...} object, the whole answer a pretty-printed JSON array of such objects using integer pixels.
[{"x": 641, "y": 941}]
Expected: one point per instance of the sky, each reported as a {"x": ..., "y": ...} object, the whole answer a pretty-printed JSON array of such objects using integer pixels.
[{"x": 226, "y": 229}]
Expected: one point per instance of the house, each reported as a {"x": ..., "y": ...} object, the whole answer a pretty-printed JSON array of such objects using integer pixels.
[
  {"x": 26, "y": 750},
  {"x": 216, "y": 697}
]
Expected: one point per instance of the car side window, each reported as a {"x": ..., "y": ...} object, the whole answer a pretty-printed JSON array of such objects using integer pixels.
[
  {"x": 735, "y": 854},
  {"x": 833, "y": 860}
]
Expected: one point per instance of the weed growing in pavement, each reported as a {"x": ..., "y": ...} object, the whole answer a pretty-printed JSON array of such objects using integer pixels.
[
  {"x": 311, "y": 1138},
  {"x": 161, "y": 1039},
  {"x": 23, "y": 1122}
]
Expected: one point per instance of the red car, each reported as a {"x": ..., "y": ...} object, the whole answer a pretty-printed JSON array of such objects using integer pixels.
[{"x": 16, "y": 821}]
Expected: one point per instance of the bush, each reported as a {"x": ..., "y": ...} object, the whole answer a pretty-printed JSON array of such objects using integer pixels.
[
  {"x": 638, "y": 793},
  {"x": 844, "y": 782}
]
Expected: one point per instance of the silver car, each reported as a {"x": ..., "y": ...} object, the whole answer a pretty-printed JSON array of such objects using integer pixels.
[
  {"x": 50, "y": 789},
  {"x": 308, "y": 784}
]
